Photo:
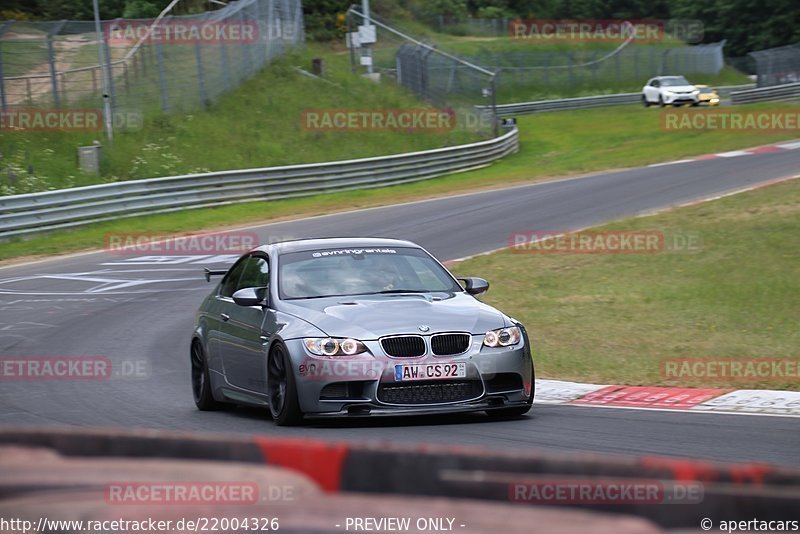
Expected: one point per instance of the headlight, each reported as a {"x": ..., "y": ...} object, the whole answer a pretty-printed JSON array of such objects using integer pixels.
[
  {"x": 695, "y": 92},
  {"x": 502, "y": 337},
  {"x": 330, "y": 346},
  {"x": 668, "y": 93}
]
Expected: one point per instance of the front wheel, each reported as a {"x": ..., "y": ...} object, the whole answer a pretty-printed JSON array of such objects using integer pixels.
[
  {"x": 661, "y": 101},
  {"x": 282, "y": 389},
  {"x": 645, "y": 102}
]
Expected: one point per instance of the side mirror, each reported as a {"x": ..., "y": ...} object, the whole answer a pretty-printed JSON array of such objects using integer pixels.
[
  {"x": 474, "y": 286},
  {"x": 250, "y": 296}
]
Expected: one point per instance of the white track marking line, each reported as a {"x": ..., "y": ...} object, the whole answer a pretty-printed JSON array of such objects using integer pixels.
[
  {"x": 671, "y": 410},
  {"x": 671, "y": 162},
  {"x": 733, "y": 154}
]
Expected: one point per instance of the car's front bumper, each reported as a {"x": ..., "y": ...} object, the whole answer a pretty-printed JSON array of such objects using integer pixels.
[
  {"x": 365, "y": 385},
  {"x": 680, "y": 99}
]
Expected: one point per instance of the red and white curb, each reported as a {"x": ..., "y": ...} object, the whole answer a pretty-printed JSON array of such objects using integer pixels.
[
  {"x": 778, "y": 147},
  {"x": 702, "y": 400}
]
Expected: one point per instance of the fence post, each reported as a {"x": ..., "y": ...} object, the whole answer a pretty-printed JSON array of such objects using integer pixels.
[
  {"x": 201, "y": 82},
  {"x": 3, "y": 29},
  {"x": 109, "y": 70},
  {"x": 63, "y": 88},
  {"x": 226, "y": 73},
  {"x": 270, "y": 23},
  {"x": 52, "y": 63},
  {"x": 664, "y": 59},
  {"x": 451, "y": 78},
  {"x": 570, "y": 58},
  {"x": 547, "y": 69},
  {"x": 51, "y": 59},
  {"x": 162, "y": 80},
  {"x": 3, "y": 102},
  {"x": 125, "y": 77}
]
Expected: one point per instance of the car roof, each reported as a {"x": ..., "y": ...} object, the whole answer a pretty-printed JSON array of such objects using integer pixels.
[{"x": 301, "y": 245}]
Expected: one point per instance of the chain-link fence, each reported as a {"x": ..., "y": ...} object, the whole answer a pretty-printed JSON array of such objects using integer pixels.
[
  {"x": 681, "y": 30},
  {"x": 442, "y": 79},
  {"x": 514, "y": 75},
  {"x": 551, "y": 71},
  {"x": 777, "y": 66},
  {"x": 484, "y": 27},
  {"x": 171, "y": 64}
]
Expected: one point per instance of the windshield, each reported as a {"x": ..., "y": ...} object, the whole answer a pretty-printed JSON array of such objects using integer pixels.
[
  {"x": 360, "y": 271},
  {"x": 674, "y": 81}
]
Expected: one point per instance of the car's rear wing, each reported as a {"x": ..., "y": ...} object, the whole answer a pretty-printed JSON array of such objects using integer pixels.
[{"x": 216, "y": 272}]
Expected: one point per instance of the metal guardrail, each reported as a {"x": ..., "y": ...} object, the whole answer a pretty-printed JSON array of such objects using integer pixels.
[
  {"x": 50, "y": 210},
  {"x": 765, "y": 94},
  {"x": 565, "y": 104}
]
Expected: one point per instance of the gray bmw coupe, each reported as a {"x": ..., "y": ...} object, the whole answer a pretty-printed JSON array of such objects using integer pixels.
[{"x": 352, "y": 327}]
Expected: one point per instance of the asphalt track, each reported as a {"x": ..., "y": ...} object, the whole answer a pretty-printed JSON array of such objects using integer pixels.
[{"x": 134, "y": 309}]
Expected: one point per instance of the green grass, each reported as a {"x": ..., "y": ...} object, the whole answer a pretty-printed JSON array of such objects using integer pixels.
[
  {"x": 19, "y": 57},
  {"x": 257, "y": 125},
  {"x": 615, "y": 318},
  {"x": 552, "y": 145}
]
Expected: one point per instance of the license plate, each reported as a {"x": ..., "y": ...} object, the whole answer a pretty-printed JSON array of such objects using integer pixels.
[{"x": 430, "y": 371}]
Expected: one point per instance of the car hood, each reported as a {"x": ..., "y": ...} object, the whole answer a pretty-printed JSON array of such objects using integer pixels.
[
  {"x": 372, "y": 316},
  {"x": 680, "y": 88}
]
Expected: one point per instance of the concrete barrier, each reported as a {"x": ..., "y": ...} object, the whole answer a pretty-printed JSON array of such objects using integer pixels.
[{"x": 729, "y": 491}]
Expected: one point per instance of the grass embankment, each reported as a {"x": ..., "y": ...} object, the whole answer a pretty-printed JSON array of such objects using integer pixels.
[
  {"x": 616, "y": 318},
  {"x": 552, "y": 144},
  {"x": 256, "y": 125}
]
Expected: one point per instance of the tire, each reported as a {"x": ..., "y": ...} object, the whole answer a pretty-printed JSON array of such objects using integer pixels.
[
  {"x": 677, "y": 105},
  {"x": 661, "y": 101},
  {"x": 282, "y": 389},
  {"x": 645, "y": 102},
  {"x": 695, "y": 104},
  {"x": 201, "y": 380}
]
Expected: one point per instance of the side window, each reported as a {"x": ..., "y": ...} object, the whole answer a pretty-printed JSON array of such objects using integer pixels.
[
  {"x": 254, "y": 274},
  {"x": 229, "y": 283},
  {"x": 656, "y": 83}
]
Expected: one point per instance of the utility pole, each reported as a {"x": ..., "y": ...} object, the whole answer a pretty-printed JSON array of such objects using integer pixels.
[
  {"x": 107, "y": 119},
  {"x": 367, "y": 47}
]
